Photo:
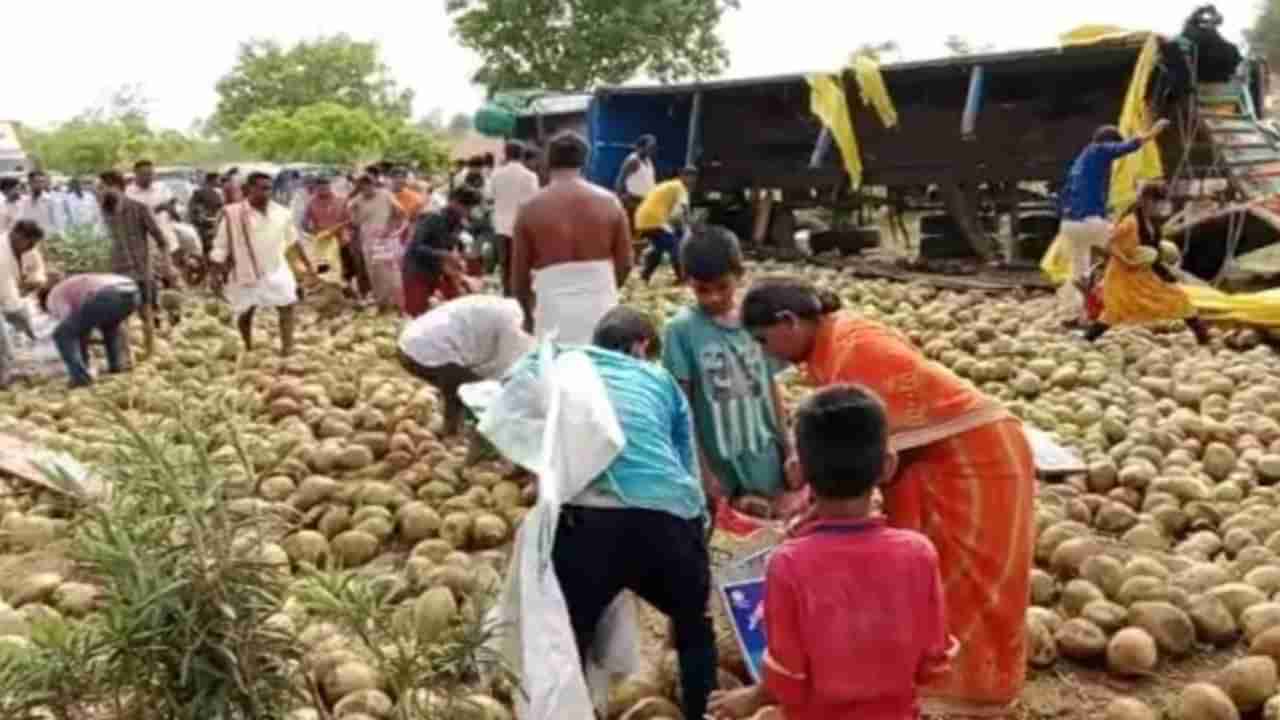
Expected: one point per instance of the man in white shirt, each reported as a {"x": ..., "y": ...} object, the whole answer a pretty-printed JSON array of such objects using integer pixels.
[
  {"x": 81, "y": 208},
  {"x": 157, "y": 198},
  {"x": 21, "y": 267},
  {"x": 513, "y": 184},
  {"x": 10, "y": 193},
  {"x": 250, "y": 247},
  {"x": 472, "y": 338},
  {"x": 637, "y": 177},
  {"x": 39, "y": 206}
]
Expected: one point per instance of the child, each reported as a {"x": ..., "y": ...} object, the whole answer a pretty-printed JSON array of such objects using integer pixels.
[
  {"x": 854, "y": 616},
  {"x": 727, "y": 377}
]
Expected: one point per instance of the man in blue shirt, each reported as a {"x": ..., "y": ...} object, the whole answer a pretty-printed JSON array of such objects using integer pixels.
[
  {"x": 1083, "y": 207},
  {"x": 640, "y": 525}
]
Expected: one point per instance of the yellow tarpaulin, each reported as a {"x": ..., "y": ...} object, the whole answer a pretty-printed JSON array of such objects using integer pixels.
[
  {"x": 1260, "y": 309},
  {"x": 828, "y": 102},
  {"x": 1135, "y": 119},
  {"x": 1097, "y": 34}
]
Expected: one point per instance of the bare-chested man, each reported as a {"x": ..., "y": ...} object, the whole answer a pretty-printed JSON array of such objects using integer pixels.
[{"x": 571, "y": 248}]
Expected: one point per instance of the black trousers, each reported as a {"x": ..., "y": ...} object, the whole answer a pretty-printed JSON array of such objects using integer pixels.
[{"x": 663, "y": 559}]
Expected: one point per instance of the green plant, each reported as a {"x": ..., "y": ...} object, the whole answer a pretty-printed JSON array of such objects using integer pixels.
[
  {"x": 429, "y": 673},
  {"x": 81, "y": 249},
  {"x": 184, "y": 630}
]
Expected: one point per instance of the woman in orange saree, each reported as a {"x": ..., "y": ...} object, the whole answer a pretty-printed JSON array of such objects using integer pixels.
[{"x": 966, "y": 479}]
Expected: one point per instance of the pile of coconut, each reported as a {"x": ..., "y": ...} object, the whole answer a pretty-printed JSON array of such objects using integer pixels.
[{"x": 1169, "y": 546}]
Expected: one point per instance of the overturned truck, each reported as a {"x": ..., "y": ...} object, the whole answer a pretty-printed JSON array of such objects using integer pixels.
[{"x": 980, "y": 146}]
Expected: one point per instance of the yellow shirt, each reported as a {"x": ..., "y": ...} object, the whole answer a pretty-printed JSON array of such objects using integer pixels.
[{"x": 660, "y": 205}]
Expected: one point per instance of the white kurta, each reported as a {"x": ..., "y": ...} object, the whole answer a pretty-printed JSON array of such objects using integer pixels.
[{"x": 256, "y": 243}]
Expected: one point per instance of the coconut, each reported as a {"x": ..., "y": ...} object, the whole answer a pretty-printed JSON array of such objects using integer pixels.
[
  {"x": 307, "y": 546},
  {"x": 1044, "y": 590},
  {"x": 1132, "y": 652},
  {"x": 35, "y": 588},
  {"x": 335, "y": 520},
  {"x": 417, "y": 521},
  {"x": 1128, "y": 709},
  {"x": 1105, "y": 572},
  {"x": 1142, "y": 588},
  {"x": 347, "y": 678},
  {"x": 354, "y": 457},
  {"x": 1219, "y": 460},
  {"x": 1080, "y": 639},
  {"x": 1200, "y": 577},
  {"x": 1238, "y": 597},
  {"x": 276, "y": 488},
  {"x": 1249, "y": 682},
  {"x": 456, "y": 529},
  {"x": 1259, "y": 618},
  {"x": 1108, "y": 616},
  {"x": 76, "y": 599},
  {"x": 1077, "y": 594},
  {"x": 1042, "y": 649},
  {"x": 1213, "y": 621},
  {"x": 1202, "y": 701},
  {"x": 1267, "y": 643},
  {"x": 1071, "y": 554},
  {"x": 489, "y": 531},
  {"x": 354, "y": 547},
  {"x": 1172, "y": 629},
  {"x": 313, "y": 490},
  {"x": 373, "y": 703},
  {"x": 433, "y": 612}
]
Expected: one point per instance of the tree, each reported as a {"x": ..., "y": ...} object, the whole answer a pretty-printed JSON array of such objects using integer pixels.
[
  {"x": 324, "y": 132},
  {"x": 412, "y": 145},
  {"x": 333, "y": 69},
  {"x": 957, "y": 45},
  {"x": 1264, "y": 36},
  {"x": 576, "y": 44}
]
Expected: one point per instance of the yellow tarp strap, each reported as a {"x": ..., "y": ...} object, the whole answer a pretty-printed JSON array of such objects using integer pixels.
[
  {"x": 874, "y": 92},
  {"x": 828, "y": 102},
  {"x": 1260, "y": 309},
  {"x": 1135, "y": 119},
  {"x": 1097, "y": 34}
]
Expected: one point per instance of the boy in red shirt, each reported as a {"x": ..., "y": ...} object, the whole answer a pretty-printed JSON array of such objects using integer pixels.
[{"x": 853, "y": 609}]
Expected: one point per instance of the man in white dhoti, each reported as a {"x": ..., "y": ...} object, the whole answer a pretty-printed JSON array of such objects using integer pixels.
[
  {"x": 249, "y": 246},
  {"x": 571, "y": 248}
]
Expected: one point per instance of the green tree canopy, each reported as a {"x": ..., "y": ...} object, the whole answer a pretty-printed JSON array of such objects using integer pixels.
[
  {"x": 117, "y": 134},
  {"x": 330, "y": 133},
  {"x": 1264, "y": 36},
  {"x": 577, "y": 44},
  {"x": 324, "y": 132},
  {"x": 333, "y": 69}
]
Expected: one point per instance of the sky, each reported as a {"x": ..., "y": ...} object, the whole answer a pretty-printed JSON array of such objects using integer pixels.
[{"x": 177, "y": 51}]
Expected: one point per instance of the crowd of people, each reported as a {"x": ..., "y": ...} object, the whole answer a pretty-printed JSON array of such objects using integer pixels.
[{"x": 698, "y": 403}]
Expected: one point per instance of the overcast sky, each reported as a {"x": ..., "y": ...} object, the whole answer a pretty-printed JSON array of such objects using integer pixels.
[{"x": 69, "y": 55}]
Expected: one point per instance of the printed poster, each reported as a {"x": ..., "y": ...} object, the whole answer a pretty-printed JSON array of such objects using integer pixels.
[{"x": 745, "y": 602}]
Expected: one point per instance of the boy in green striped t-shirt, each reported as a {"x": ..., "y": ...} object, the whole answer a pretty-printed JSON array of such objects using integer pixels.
[{"x": 728, "y": 378}]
